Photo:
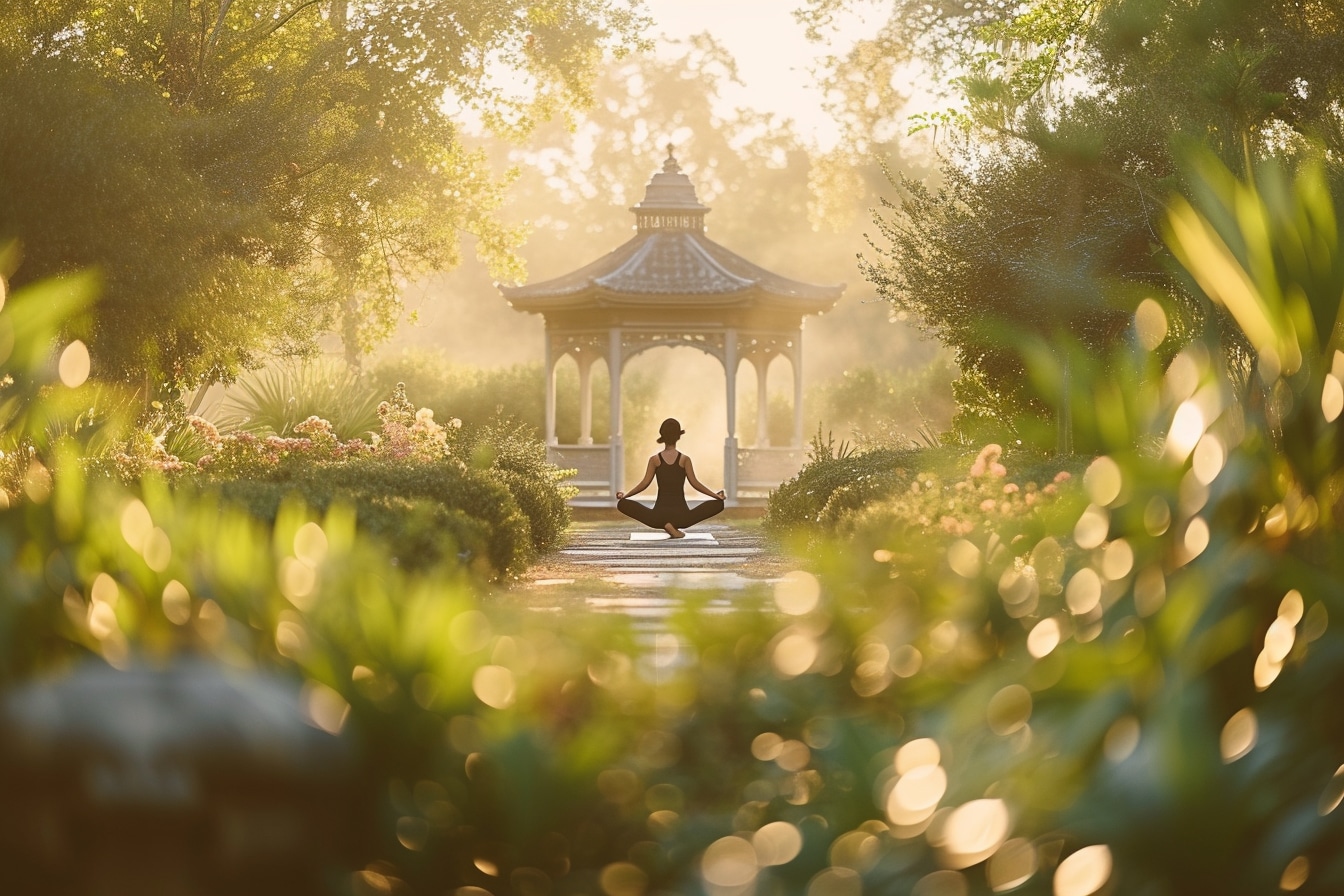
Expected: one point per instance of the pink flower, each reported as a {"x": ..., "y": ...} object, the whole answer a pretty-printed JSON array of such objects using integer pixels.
[
  {"x": 987, "y": 505},
  {"x": 987, "y": 461},
  {"x": 1010, "y": 488},
  {"x": 204, "y": 428},
  {"x": 1051, "y": 489},
  {"x": 1063, "y": 476}
]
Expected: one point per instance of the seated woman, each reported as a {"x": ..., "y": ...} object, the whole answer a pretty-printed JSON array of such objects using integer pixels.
[{"x": 673, "y": 470}]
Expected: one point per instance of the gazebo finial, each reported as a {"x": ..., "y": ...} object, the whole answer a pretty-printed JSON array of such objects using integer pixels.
[{"x": 670, "y": 165}]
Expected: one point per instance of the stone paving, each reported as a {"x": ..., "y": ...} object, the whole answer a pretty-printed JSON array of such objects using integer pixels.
[{"x": 615, "y": 567}]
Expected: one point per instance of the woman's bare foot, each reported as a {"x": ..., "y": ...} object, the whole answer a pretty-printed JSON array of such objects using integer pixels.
[{"x": 673, "y": 531}]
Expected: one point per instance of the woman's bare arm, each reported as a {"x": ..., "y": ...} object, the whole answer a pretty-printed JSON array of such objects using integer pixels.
[
  {"x": 641, "y": 485},
  {"x": 696, "y": 483}
]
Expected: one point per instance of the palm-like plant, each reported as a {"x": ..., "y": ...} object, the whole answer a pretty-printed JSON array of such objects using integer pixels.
[{"x": 275, "y": 399}]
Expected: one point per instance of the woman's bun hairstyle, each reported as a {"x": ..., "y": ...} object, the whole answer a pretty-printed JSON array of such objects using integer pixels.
[{"x": 670, "y": 431}]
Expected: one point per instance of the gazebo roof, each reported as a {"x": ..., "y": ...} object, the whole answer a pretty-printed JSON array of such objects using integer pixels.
[{"x": 670, "y": 262}]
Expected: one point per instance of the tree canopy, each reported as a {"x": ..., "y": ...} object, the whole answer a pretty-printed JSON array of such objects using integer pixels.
[
  {"x": 248, "y": 173},
  {"x": 1073, "y": 117}
]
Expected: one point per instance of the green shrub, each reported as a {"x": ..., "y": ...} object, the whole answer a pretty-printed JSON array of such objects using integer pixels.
[
  {"x": 518, "y": 461},
  {"x": 473, "y": 395},
  {"x": 428, "y": 513}
]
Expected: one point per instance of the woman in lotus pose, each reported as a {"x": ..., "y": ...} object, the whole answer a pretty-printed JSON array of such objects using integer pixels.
[{"x": 672, "y": 470}]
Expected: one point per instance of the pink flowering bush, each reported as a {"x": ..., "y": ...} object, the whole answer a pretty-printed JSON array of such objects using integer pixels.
[{"x": 409, "y": 482}]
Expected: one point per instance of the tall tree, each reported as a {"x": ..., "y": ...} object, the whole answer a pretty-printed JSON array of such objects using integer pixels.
[
  {"x": 1074, "y": 112},
  {"x": 248, "y": 172}
]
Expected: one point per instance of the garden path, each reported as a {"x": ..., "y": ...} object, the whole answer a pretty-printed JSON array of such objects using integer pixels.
[{"x": 617, "y": 567}]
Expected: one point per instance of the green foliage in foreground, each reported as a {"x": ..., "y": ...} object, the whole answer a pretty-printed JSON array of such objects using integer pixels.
[{"x": 1127, "y": 685}]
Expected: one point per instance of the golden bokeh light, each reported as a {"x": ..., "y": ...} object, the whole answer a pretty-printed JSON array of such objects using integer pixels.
[
  {"x": 1279, "y": 639},
  {"x": 1092, "y": 528},
  {"x": 835, "y": 882},
  {"x": 136, "y": 524},
  {"x": 1084, "y": 872},
  {"x": 323, "y": 707},
  {"x": 211, "y": 623},
  {"x": 623, "y": 879},
  {"x": 767, "y": 746},
  {"x": 1291, "y": 607},
  {"x": 1295, "y": 875},
  {"x": 1083, "y": 594},
  {"x": 1196, "y": 538},
  {"x": 494, "y": 686},
  {"x": 1332, "y": 398},
  {"x": 1012, "y": 865},
  {"x": 794, "y": 654},
  {"x": 918, "y": 752},
  {"x": 1156, "y": 516},
  {"x": 310, "y": 544},
  {"x": 1044, "y": 637},
  {"x": 1333, "y": 794},
  {"x": 973, "y": 831},
  {"x": 797, "y": 593},
  {"x": 104, "y": 590},
  {"x": 157, "y": 550},
  {"x": 102, "y": 620},
  {"x": 906, "y": 661},
  {"x": 729, "y": 862},
  {"x": 794, "y": 756},
  {"x": 298, "y": 582},
  {"x": 1239, "y": 735},
  {"x": 1265, "y": 672},
  {"x": 176, "y": 603},
  {"x": 1117, "y": 560},
  {"x": 1187, "y": 428},
  {"x": 857, "y": 850},
  {"x": 73, "y": 367},
  {"x": 941, "y": 883},
  {"x": 412, "y": 832},
  {"x": 916, "y": 795},
  {"x": 1150, "y": 324},
  {"x": 777, "y": 843},
  {"x": 1209, "y": 458},
  {"x": 1008, "y": 710},
  {"x": 1276, "y": 521},
  {"x": 1103, "y": 481},
  {"x": 963, "y": 558}
]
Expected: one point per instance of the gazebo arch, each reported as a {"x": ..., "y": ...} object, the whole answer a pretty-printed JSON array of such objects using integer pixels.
[{"x": 670, "y": 285}]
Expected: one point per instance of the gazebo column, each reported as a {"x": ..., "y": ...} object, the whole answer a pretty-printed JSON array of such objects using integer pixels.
[
  {"x": 762, "y": 365},
  {"x": 585, "y": 399},
  {"x": 730, "y": 443},
  {"x": 550, "y": 391},
  {"x": 797, "y": 360},
  {"x": 615, "y": 367}
]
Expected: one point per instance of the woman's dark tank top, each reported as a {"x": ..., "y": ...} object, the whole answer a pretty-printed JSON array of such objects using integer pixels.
[{"x": 671, "y": 483}]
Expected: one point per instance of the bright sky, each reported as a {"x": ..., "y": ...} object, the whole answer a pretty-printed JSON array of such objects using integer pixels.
[{"x": 773, "y": 55}]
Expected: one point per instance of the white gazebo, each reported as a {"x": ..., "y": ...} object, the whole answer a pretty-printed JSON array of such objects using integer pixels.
[{"x": 671, "y": 285}]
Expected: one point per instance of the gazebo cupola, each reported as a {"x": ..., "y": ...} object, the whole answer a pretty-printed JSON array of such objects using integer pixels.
[
  {"x": 671, "y": 285},
  {"x": 670, "y": 202}
]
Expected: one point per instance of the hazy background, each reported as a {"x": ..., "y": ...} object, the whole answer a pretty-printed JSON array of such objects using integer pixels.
[{"x": 730, "y": 86}]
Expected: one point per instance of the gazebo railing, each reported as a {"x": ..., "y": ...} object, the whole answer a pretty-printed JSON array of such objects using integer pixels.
[
  {"x": 593, "y": 463},
  {"x": 759, "y": 470}
]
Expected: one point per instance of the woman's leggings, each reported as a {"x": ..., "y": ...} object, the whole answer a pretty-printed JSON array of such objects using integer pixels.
[{"x": 655, "y": 518}]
